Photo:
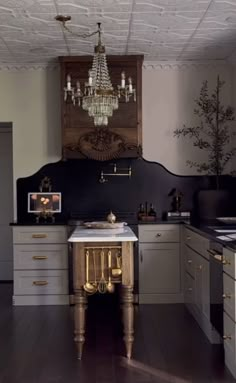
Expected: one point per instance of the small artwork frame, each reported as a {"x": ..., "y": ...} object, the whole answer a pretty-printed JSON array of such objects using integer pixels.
[{"x": 44, "y": 202}]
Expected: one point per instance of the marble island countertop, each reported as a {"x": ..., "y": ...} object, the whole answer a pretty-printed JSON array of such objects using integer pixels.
[{"x": 81, "y": 234}]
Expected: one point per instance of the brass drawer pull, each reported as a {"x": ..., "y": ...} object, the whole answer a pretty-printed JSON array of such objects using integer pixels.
[
  {"x": 226, "y": 296},
  {"x": 39, "y": 257},
  {"x": 227, "y": 337},
  {"x": 40, "y": 235},
  {"x": 225, "y": 261},
  {"x": 40, "y": 283}
]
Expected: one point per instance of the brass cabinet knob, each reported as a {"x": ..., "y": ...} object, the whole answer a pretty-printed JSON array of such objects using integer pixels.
[
  {"x": 225, "y": 337},
  {"x": 226, "y": 296},
  {"x": 158, "y": 235},
  {"x": 188, "y": 238},
  {"x": 190, "y": 261}
]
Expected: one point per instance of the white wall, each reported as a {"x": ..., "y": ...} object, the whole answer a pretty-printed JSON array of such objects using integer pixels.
[
  {"x": 30, "y": 99},
  {"x": 168, "y": 103}
]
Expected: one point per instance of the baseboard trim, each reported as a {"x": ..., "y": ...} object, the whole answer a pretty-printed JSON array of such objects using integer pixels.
[
  {"x": 230, "y": 361},
  {"x": 40, "y": 300},
  {"x": 205, "y": 325}
]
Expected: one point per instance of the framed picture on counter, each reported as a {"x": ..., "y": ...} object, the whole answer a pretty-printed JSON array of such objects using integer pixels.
[{"x": 44, "y": 202}]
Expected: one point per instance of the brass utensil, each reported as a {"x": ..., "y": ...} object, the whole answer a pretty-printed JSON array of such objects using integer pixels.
[
  {"x": 88, "y": 287},
  {"x": 110, "y": 286},
  {"x": 95, "y": 271},
  {"x": 117, "y": 271},
  {"x": 102, "y": 284}
]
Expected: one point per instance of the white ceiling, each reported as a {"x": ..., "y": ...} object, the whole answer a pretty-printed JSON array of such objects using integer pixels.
[{"x": 160, "y": 29}]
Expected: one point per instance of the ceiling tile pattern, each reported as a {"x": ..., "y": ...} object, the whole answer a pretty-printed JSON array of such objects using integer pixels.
[{"x": 162, "y": 30}]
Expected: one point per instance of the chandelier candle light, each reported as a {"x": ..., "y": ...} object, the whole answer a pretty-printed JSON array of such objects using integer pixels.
[{"x": 98, "y": 98}]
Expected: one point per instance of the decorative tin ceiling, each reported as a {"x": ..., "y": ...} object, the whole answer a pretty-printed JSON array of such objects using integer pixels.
[{"x": 160, "y": 29}]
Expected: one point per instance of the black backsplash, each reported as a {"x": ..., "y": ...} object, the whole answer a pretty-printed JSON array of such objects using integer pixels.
[{"x": 78, "y": 181}]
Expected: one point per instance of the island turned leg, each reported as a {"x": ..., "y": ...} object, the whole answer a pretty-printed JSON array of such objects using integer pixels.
[
  {"x": 128, "y": 318},
  {"x": 79, "y": 316}
]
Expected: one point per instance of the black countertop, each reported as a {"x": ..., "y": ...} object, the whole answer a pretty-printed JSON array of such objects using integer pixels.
[
  {"x": 34, "y": 223},
  {"x": 74, "y": 222},
  {"x": 207, "y": 229}
]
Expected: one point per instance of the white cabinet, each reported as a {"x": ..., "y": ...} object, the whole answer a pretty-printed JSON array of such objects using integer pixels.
[
  {"x": 197, "y": 280},
  {"x": 159, "y": 264},
  {"x": 40, "y": 265},
  {"x": 202, "y": 287},
  {"x": 229, "y": 289}
]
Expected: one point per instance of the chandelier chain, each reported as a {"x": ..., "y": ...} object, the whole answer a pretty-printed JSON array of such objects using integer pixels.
[{"x": 84, "y": 35}]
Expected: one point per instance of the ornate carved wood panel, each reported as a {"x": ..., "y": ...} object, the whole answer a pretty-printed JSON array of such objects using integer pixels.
[{"x": 123, "y": 136}]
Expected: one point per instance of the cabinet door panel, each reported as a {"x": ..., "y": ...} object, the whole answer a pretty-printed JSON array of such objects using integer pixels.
[
  {"x": 229, "y": 295},
  {"x": 159, "y": 269},
  {"x": 189, "y": 260},
  {"x": 202, "y": 286},
  {"x": 188, "y": 289}
]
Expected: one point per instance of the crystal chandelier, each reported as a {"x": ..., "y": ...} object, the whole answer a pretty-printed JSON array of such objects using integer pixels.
[{"x": 98, "y": 97}]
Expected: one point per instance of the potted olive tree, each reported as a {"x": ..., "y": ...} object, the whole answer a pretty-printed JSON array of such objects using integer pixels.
[{"x": 212, "y": 134}]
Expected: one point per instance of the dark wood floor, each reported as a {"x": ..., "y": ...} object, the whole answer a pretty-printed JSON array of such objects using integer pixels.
[{"x": 36, "y": 346}]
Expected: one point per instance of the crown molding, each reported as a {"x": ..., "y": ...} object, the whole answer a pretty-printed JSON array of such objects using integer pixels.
[
  {"x": 147, "y": 65},
  {"x": 183, "y": 65},
  {"x": 12, "y": 67}
]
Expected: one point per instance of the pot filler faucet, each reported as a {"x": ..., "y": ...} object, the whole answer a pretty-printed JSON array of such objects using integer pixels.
[{"x": 125, "y": 172}]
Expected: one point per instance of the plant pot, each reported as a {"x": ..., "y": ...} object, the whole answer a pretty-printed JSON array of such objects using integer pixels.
[{"x": 212, "y": 203}]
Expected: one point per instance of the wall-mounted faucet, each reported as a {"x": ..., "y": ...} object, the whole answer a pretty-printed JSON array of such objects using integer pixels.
[{"x": 123, "y": 172}]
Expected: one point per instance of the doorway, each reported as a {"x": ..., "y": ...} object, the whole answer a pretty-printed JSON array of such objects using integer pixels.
[{"x": 6, "y": 202}]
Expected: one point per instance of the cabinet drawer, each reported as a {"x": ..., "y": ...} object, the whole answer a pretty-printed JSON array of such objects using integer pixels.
[
  {"x": 229, "y": 259},
  {"x": 33, "y": 257},
  {"x": 229, "y": 295},
  {"x": 39, "y": 234},
  {"x": 229, "y": 334},
  {"x": 40, "y": 282},
  {"x": 159, "y": 233},
  {"x": 189, "y": 260},
  {"x": 197, "y": 242}
]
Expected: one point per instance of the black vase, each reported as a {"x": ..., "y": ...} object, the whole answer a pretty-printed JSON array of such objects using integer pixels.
[{"x": 212, "y": 203}]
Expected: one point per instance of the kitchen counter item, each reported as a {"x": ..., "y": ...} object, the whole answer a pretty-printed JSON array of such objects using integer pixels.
[
  {"x": 104, "y": 225},
  {"x": 111, "y": 217}
]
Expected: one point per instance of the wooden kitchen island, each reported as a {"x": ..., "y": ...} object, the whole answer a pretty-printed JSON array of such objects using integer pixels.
[{"x": 97, "y": 255}]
